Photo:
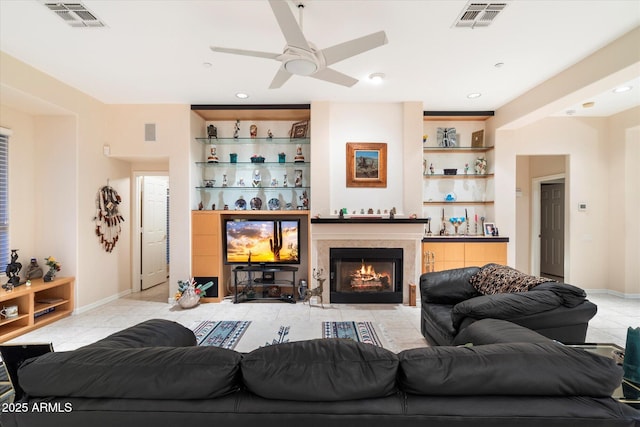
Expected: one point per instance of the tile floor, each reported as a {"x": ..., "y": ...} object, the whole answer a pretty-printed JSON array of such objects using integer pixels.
[{"x": 400, "y": 323}]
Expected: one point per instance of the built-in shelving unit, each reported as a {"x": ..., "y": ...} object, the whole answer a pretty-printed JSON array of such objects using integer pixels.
[{"x": 39, "y": 304}]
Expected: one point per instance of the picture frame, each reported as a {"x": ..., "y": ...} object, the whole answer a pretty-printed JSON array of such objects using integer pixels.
[
  {"x": 488, "y": 228},
  {"x": 366, "y": 164},
  {"x": 477, "y": 139},
  {"x": 299, "y": 129}
]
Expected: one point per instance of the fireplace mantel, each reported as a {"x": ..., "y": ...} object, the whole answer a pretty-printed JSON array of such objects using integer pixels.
[{"x": 369, "y": 220}]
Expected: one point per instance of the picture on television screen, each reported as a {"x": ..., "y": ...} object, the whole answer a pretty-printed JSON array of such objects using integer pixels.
[{"x": 262, "y": 241}]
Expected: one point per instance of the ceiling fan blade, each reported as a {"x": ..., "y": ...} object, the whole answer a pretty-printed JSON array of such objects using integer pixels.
[
  {"x": 279, "y": 79},
  {"x": 246, "y": 52},
  {"x": 354, "y": 47},
  {"x": 333, "y": 76},
  {"x": 288, "y": 24}
]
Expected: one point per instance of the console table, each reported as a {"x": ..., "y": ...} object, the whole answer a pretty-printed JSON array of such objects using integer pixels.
[{"x": 258, "y": 288}]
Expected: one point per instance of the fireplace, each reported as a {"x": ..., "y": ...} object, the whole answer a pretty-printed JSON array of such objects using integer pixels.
[{"x": 366, "y": 275}]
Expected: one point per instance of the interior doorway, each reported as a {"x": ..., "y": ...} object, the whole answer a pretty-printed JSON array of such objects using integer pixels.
[
  {"x": 548, "y": 226},
  {"x": 151, "y": 242}
]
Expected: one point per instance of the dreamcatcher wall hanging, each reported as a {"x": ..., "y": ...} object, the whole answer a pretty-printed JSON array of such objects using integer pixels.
[{"x": 108, "y": 219}]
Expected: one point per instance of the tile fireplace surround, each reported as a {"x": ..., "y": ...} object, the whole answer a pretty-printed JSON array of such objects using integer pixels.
[{"x": 405, "y": 236}]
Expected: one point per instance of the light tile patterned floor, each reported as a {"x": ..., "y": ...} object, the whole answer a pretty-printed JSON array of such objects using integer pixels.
[{"x": 399, "y": 323}]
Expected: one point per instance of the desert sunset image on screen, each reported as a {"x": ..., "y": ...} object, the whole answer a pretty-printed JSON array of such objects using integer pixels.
[{"x": 272, "y": 241}]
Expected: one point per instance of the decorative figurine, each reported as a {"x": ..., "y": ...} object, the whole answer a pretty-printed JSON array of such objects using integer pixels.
[
  {"x": 34, "y": 271},
  {"x": 299, "y": 158},
  {"x": 213, "y": 157},
  {"x": 200, "y": 206},
  {"x": 466, "y": 168},
  {"x": 274, "y": 182},
  {"x": 269, "y": 134},
  {"x": 236, "y": 130},
  {"x": 285, "y": 183},
  {"x": 305, "y": 200},
  {"x": 253, "y": 130},
  {"x": 212, "y": 131},
  {"x": 224, "y": 180},
  {"x": 12, "y": 271},
  {"x": 241, "y": 182},
  {"x": 213, "y": 206},
  {"x": 257, "y": 179},
  {"x": 298, "y": 181}
]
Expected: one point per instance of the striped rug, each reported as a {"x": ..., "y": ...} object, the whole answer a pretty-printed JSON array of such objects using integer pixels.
[
  {"x": 358, "y": 331},
  {"x": 222, "y": 333}
]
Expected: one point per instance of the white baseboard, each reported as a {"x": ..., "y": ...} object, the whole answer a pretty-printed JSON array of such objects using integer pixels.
[
  {"x": 614, "y": 293},
  {"x": 101, "y": 302}
]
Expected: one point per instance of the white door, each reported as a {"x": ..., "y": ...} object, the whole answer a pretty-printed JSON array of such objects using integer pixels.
[{"x": 154, "y": 230}]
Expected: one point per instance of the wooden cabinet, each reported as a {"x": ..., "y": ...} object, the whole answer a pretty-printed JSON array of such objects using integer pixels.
[
  {"x": 206, "y": 259},
  {"x": 38, "y": 305},
  {"x": 448, "y": 253}
]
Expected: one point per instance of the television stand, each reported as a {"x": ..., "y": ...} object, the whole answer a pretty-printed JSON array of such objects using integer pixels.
[{"x": 267, "y": 286}]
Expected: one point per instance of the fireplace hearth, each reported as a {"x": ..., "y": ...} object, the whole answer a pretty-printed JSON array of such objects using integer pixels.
[{"x": 366, "y": 275}]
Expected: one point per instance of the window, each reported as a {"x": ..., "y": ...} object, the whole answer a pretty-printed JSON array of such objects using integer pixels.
[{"x": 4, "y": 200}]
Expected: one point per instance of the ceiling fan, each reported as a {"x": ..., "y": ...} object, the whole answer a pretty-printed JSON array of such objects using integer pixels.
[{"x": 300, "y": 57}]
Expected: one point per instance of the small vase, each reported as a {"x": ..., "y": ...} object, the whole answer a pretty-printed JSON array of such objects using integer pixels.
[
  {"x": 189, "y": 298},
  {"x": 282, "y": 158},
  {"x": 50, "y": 275}
]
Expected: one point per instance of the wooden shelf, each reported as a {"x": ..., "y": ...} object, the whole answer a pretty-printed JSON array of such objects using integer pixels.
[
  {"x": 59, "y": 291},
  {"x": 463, "y": 176},
  {"x": 456, "y": 150},
  {"x": 457, "y": 203}
]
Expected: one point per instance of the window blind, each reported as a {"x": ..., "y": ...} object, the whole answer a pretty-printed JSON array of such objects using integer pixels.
[{"x": 4, "y": 201}]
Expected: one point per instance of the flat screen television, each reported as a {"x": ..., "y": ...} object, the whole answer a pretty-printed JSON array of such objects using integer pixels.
[{"x": 261, "y": 241}]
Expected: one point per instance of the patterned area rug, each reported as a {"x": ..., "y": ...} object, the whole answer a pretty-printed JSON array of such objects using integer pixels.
[
  {"x": 224, "y": 333},
  {"x": 358, "y": 331},
  {"x": 245, "y": 336}
]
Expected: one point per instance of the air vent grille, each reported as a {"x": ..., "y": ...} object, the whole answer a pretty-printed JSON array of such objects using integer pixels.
[
  {"x": 75, "y": 14},
  {"x": 476, "y": 14}
]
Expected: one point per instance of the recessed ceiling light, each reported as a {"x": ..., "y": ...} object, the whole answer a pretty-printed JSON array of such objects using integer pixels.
[
  {"x": 588, "y": 104},
  {"x": 622, "y": 89},
  {"x": 498, "y": 64},
  {"x": 376, "y": 78},
  {"x": 474, "y": 95},
  {"x": 242, "y": 95}
]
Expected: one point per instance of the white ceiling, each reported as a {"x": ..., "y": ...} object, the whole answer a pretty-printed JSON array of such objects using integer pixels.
[{"x": 153, "y": 51}]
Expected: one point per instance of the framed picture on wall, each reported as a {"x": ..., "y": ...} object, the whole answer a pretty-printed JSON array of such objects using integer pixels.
[
  {"x": 366, "y": 164},
  {"x": 477, "y": 139}
]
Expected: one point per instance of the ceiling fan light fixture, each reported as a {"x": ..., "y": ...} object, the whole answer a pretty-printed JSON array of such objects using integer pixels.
[
  {"x": 301, "y": 66},
  {"x": 376, "y": 78}
]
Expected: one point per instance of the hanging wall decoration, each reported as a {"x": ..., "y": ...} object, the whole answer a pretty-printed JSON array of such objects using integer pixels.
[{"x": 108, "y": 219}]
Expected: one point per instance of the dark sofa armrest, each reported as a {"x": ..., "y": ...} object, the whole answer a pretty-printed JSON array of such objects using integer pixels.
[
  {"x": 150, "y": 333},
  {"x": 449, "y": 286},
  {"x": 493, "y": 331}
]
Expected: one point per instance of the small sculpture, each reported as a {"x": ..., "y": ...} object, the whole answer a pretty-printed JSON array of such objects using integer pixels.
[
  {"x": 253, "y": 130},
  {"x": 299, "y": 158},
  {"x": 12, "y": 271},
  {"x": 274, "y": 182},
  {"x": 236, "y": 130},
  {"x": 305, "y": 200},
  {"x": 212, "y": 131},
  {"x": 224, "y": 180},
  {"x": 431, "y": 170},
  {"x": 317, "y": 291},
  {"x": 34, "y": 271},
  {"x": 241, "y": 182},
  {"x": 213, "y": 156},
  {"x": 269, "y": 134},
  {"x": 298, "y": 181},
  {"x": 257, "y": 179},
  {"x": 285, "y": 183}
]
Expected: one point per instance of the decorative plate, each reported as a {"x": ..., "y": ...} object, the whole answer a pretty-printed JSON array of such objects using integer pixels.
[
  {"x": 256, "y": 204},
  {"x": 450, "y": 197},
  {"x": 274, "y": 204},
  {"x": 241, "y": 204}
]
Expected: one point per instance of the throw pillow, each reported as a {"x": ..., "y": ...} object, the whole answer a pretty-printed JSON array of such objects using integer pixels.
[{"x": 495, "y": 279}]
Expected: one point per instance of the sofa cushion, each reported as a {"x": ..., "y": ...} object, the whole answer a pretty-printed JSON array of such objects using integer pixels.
[
  {"x": 448, "y": 286},
  {"x": 324, "y": 370},
  {"x": 493, "y": 331},
  {"x": 495, "y": 278},
  {"x": 505, "y": 306},
  {"x": 535, "y": 369},
  {"x": 133, "y": 373},
  {"x": 150, "y": 333}
]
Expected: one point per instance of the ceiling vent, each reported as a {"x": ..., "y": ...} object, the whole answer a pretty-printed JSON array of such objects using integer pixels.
[
  {"x": 75, "y": 14},
  {"x": 475, "y": 14}
]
